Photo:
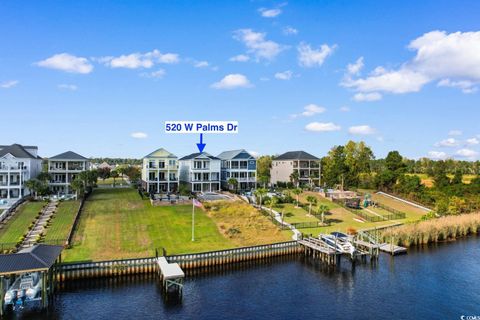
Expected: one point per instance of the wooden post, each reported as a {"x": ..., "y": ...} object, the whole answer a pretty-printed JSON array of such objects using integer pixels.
[
  {"x": 2, "y": 295},
  {"x": 44, "y": 290}
]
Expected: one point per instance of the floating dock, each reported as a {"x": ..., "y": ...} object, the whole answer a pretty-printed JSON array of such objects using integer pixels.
[{"x": 392, "y": 249}]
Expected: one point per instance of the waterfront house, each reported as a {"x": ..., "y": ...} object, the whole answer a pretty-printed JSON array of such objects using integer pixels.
[
  {"x": 63, "y": 169},
  {"x": 200, "y": 172},
  {"x": 240, "y": 165},
  {"x": 18, "y": 164},
  {"x": 160, "y": 172},
  {"x": 307, "y": 166}
]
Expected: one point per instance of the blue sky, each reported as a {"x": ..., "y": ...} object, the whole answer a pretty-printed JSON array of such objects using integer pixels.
[{"x": 101, "y": 77}]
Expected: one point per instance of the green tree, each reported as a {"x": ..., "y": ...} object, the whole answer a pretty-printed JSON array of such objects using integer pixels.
[
  {"x": 273, "y": 202},
  {"x": 233, "y": 184},
  {"x": 34, "y": 185},
  {"x": 103, "y": 173},
  {"x": 114, "y": 175},
  {"x": 458, "y": 177},
  {"x": 297, "y": 192},
  {"x": 264, "y": 164},
  {"x": 322, "y": 208},
  {"x": 440, "y": 178},
  {"x": 311, "y": 201},
  {"x": 260, "y": 194},
  {"x": 295, "y": 178},
  {"x": 334, "y": 167},
  {"x": 78, "y": 186}
]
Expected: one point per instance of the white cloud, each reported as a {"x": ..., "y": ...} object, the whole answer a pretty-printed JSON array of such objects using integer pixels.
[
  {"x": 67, "y": 62},
  {"x": 255, "y": 154},
  {"x": 450, "y": 142},
  {"x": 473, "y": 141},
  {"x": 465, "y": 85},
  {"x": 361, "y": 130},
  {"x": 201, "y": 64},
  {"x": 455, "y": 133},
  {"x": 65, "y": 86},
  {"x": 8, "y": 84},
  {"x": 139, "y": 135},
  {"x": 322, "y": 127},
  {"x": 158, "y": 74},
  {"x": 232, "y": 81},
  {"x": 286, "y": 75},
  {"x": 140, "y": 60},
  {"x": 309, "y": 110},
  {"x": 437, "y": 155},
  {"x": 344, "y": 109},
  {"x": 308, "y": 57},
  {"x": 240, "y": 58},
  {"x": 269, "y": 13},
  {"x": 467, "y": 153},
  {"x": 355, "y": 68},
  {"x": 289, "y": 31},
  {"x": 452, "y": 59},
  {"x": 257, "y": 44},
  {"x": 372, "y": 96}
]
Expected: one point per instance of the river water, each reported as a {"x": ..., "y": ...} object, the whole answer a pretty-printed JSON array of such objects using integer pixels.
[{"x": 435, "y": 282}]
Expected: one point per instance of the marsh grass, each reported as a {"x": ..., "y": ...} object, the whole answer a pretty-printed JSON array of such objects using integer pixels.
[{"x": 435, "y": 230}]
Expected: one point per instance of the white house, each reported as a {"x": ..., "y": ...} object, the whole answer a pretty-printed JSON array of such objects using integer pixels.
[
  {"x": 160, "y": 172},
  {"x": 307, "y": 166},
  {"x": 200, "y": 171},
  {"x": 63, "y": 169},
  {"x": 18, "y": 164},
  {"x": 240, "y": 165}
]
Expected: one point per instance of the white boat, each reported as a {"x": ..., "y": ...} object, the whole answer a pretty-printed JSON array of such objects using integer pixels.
[
  {"x": 344, "y": 242},
  {"x": 25, "y": 287}
]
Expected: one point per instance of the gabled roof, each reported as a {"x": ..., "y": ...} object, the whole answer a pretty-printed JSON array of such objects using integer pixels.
[
  {"x": 235, "y": 154},
  {"x": 161, "y": 153},
  {"x": 199, "y": 155},
  {"x": 36, "y": 258},
  {"x": 18, "y": 151},
  {"x": 296, "y": 155},
  {"x": 69, "y": 155}
]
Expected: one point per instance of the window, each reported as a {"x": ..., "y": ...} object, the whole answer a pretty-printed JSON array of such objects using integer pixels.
[
  {"x": 161, "y": 164},
  {"x": 151, "y": 164},
  {"x": 197, "y": 187},
  {"x": 197, "y": 177},
  {"x": 197, "y": 164},
  {"x": 172, "y": 177},
  {"x": 171, "y": 162}
]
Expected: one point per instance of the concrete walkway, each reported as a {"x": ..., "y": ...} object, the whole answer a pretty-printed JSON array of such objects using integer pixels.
[
  {"x": 297, "y": 235},
  {"x": 40, "y": 225}
]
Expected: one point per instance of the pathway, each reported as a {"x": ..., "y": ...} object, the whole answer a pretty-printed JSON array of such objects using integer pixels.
[
  {"x": 33, "y": 235},
  {"x": 277, "y": 216}
]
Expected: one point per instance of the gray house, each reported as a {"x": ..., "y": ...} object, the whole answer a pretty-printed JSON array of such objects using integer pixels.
[{"x": 240, "y": 165}]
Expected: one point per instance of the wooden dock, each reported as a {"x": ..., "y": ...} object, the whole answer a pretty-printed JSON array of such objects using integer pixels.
[
  {"x": 392, "y": 249},
  {"x": 171, "y": 276}
]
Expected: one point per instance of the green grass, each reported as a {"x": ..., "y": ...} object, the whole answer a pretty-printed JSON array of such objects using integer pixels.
[
  {"x": 292, "y": 214},
  {"x": 61, "y": 222},
  {"x": 109, "y": 181},
  {"x": 117, "y": 223},
  {"x": 18, "y": 225}
]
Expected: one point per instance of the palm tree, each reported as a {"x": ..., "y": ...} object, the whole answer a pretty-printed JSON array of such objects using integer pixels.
[
  {"x": 114, "y": 175},
  {"x": 78, "y": 186},
  {"x": 34, "y": 185},
  {"x": 260, "y": 193},
  {"x": 295, "y": 177},
  {"x": 273, "y": 202},
  {"x": 233, "y": 183},
  {"x": 297, "y": 192},
  {"x": 311, "y": 201},
  {"x": 323, "y": 209}
]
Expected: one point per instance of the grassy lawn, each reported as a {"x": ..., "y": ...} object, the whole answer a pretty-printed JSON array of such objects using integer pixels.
[
  {"x": 243, "y": 225},
  {"x": 109, "y": 181},
  {"x": 61, "y": 222},
  {"x": 117, "y": 223},
  {"x": 292, "y": 214},
  {"x": 412, "y": 213},
  {"x": 18, "y": 225}
]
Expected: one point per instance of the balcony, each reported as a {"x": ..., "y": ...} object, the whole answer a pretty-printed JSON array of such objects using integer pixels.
[{"x": 13, "y": 168}]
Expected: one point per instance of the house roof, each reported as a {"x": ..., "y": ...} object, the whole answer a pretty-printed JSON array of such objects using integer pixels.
[
  {"x": 199, "y": 155},
  {"x": 69, "y": 155},
  {"x": 160, "y": 153},
  {"x": 37, "y": 258},
  {"x": 235, "y": 154},
  {"x": 18, "y": 151},
  {"x": 296, "y": 155}
]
